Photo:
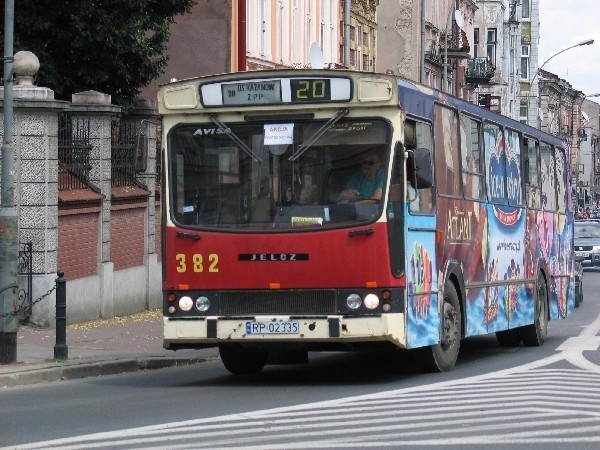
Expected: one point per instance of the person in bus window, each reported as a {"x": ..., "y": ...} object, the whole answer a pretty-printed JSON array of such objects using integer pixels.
[{"x": 367, "y": 182}]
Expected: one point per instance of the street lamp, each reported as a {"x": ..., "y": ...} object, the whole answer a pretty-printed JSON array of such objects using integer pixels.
[
  {"x": 537, "y": 73},
  {"x": 586, "y": 42}
]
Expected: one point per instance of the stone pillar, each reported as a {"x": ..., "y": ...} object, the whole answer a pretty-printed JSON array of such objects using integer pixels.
[
  {"x": 97, "y": 107},
  {"x": 36, "y": 180},
  {"x": 145, "y": 116}
]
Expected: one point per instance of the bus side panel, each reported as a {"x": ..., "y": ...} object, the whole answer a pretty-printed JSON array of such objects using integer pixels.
[
  {"x": 507, "y": 305},
  {"x": 562, "y": 287},
  {"x": 423, "y": 307},
  {"x": 464, "y": 226}
]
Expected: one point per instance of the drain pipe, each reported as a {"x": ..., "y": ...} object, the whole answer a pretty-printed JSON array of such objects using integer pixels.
[{"x": 347, "y": 33}]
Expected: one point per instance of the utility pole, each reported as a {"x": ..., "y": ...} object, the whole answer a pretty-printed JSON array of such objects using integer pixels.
[{"x": 9, "y": 322}]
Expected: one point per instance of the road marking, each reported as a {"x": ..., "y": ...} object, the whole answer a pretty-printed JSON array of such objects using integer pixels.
[{"x": 521, "y": 405}]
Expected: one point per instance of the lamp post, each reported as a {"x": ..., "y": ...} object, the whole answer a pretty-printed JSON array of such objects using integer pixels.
[
  {"x": 9, "y": 253},
  {"x": 537, "y": 73},
  {"x": 586, "y": 42}
]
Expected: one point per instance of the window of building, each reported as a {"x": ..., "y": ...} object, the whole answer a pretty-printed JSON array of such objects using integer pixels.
[
  {"x": 523, "y": 113},
  {"x": 525, "y": 62},
  {"x": 525, "y": 9},
  {"x": 475, "y": 42},
  {"x": 492, "y": 37}
]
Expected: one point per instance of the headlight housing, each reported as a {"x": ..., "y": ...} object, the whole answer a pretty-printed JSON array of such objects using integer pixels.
[
  {"x": 353, "y": 301},
  {"x": 202, "y": 303},
  {"x": 185, "y": 303}
]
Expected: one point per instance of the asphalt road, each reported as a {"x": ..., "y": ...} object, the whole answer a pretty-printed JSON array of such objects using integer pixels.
[{"x": 309, "y": 406}]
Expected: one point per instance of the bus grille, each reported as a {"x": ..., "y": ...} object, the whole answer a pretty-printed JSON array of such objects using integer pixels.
[{"x": 277, "y": 302}]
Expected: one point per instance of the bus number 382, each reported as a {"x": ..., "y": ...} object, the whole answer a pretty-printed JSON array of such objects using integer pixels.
[{"x": 199, "y": 263}]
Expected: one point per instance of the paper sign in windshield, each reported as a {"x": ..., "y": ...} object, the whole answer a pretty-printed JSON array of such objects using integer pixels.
[{"x": 279, "y": 134}]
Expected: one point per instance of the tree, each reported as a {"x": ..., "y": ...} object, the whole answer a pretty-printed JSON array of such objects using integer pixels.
[{"x": 113, "y": 46}]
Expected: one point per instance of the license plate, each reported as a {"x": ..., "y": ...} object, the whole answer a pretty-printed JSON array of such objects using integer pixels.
[
  {"x": 278, "y": 327},
  {"x": 584, "y": 254}
]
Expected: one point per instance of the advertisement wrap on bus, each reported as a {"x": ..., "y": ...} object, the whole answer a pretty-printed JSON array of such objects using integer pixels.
[{"x": 311, "y": 210}]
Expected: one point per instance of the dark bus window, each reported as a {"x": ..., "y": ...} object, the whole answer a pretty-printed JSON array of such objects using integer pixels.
[
  {"x": 473, "y": 176},
  {"x": 512, "y": 150},
  {"x": 532, "y": 173},
  {"x": 447, "y": 166},
  {"x": 418, "y": 134},
  {"x": 548, "y": 175}
]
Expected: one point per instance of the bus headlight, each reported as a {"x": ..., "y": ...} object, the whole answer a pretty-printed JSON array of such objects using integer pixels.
[
  {"x": 371, "y": 301},
  {"x": 202, "y": 304},
  {"x": 185, "y": 303},
  {"x": 353, "y": 301}
]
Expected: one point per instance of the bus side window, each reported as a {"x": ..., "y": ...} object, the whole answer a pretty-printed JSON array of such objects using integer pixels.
[
  {"x": 418, "y": 135},
  {"x": 531, "y": 172}
]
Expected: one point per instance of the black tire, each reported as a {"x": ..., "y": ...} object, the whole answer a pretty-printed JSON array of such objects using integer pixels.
[
  {"x": 508, "y": 338},
  {"x": 579, "y": 293},
  {"x": 240, "y": 361},
  {"x": 442, "y": 357},
  {"x": 535, "y": 334}
]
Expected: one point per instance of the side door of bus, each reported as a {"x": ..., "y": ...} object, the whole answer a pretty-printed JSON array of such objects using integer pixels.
[{"x": 422, "y": 308}]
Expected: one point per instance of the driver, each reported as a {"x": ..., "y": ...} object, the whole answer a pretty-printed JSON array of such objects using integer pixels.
[{"x": 367, "y": 182}]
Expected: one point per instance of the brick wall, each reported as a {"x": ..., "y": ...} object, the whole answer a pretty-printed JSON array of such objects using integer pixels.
[
  {"x": 127, "y": 235},
  {"x": 78, "y": 242}
]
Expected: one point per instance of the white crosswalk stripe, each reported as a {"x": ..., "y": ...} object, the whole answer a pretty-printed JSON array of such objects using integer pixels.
[
  {"x": 535, "y": 403},
  {"x": 532, "y": 406}
]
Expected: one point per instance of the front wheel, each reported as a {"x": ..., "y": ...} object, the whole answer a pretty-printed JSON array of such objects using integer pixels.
[
  {"x": 535, "y": 334},
  {"x": 240, "y": 361},
  {"x": 442, "y": 357}
]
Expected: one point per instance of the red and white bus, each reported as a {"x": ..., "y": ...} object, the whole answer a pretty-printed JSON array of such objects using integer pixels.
[{"x": 308, "y": 210}]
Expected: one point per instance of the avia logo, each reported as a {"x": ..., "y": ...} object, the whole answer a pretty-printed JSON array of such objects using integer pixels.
[{"x": 208, "y": 131}]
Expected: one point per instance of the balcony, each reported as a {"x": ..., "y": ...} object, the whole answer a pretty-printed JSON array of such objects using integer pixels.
[
  {"x": 458, "y": 44},
  {"x": 479, "y": 71}
]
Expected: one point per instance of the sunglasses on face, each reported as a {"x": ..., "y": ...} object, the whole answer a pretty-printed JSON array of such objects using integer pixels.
[{"x": 368, "y": 163}]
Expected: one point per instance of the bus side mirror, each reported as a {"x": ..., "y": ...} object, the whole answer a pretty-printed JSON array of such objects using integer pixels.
[{"x": 420, "y": 163}]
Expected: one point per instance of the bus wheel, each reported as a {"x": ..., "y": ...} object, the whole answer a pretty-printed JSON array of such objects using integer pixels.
[
  {"x": 534, "y": 335},
  {"x": 508, "y": 338},
  {"x": 442, "y": 357},
  {"x": 239, "y": 361}
]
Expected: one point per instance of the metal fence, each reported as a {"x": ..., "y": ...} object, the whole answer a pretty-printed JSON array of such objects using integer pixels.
[
  {"x": 123, "y": 155},
  {"x": 26, "y": 268},
  {"x": 73, "y": 152}
]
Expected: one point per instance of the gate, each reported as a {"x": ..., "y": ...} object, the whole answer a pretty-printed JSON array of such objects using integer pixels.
[{"x": 25, "y": 268}]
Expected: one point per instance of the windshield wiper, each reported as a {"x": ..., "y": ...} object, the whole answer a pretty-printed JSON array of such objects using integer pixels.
[
  {"x": 225, "y": 129},
  {"x": 320, "y": 132}
]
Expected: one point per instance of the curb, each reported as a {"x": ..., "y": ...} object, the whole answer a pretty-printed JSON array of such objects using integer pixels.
[{"x": 75, "y": 370}]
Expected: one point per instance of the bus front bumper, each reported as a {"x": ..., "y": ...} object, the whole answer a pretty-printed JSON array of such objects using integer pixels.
[{"x": 212, "y": 331}]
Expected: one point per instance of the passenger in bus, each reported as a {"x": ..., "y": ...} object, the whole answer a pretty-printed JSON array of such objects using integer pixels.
[{"x": 367, "y": 182}]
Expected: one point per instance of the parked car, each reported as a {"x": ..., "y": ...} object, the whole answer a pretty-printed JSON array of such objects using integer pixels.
[{"x": 587, "y": 242}]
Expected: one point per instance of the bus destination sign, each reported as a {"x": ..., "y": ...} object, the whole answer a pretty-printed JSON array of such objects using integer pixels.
[{"x": 252, "y": 92}]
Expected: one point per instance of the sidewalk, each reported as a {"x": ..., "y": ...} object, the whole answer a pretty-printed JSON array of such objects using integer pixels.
[{"x": 101, "y": 347}]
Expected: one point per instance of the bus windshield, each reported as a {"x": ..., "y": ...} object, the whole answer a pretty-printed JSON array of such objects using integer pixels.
[{"x": 272, "y": 175}]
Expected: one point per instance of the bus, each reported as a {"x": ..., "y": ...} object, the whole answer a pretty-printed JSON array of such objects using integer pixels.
[{"x": 325, "y": 210}]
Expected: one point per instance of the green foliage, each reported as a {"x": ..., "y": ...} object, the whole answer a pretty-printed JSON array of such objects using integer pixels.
[{"x": 116, "y": 47}]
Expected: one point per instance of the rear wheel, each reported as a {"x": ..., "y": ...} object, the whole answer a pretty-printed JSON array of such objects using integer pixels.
[
  {"x": 442, "y": 357},
  {"x": 240, "y": 361},
  {"x": 535, "y": 334}
]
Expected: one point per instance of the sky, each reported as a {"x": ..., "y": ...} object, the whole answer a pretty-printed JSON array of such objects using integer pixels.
[{"x": 564, "y": 23}]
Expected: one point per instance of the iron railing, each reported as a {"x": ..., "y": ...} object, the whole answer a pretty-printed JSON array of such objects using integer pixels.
[
  {"x": 25, "y": 266},
  {"x": 123, "y": 157},
  {"x": 73, "y": 153}
]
